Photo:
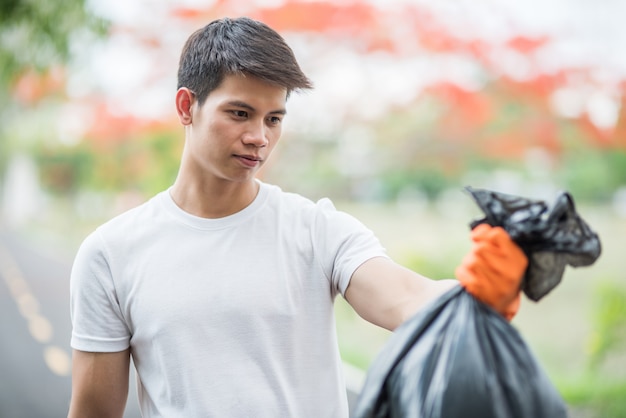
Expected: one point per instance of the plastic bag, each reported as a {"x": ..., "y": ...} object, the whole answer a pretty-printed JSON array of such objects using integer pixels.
[
  {"x": 551, "y": 239},
  {"x": 457, "y": 358}
]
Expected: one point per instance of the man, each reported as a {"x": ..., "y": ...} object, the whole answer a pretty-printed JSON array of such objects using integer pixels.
[{"x": 222, "y": 287}]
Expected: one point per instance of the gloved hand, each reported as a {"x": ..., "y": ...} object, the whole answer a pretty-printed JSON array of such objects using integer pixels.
[{"x": 493, "y": 269}]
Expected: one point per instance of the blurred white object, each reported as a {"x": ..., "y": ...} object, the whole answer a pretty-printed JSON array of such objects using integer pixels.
[
  {"x": 21, "y": 196},
  {"x": 619, "y": 201}
]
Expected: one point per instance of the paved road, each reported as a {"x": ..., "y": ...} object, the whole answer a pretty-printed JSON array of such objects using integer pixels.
[{"x": 35, "y": 325}]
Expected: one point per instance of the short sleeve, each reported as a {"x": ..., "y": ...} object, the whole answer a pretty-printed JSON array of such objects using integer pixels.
[
  {"x": 342, "y": 243},
  {"x": 97, "y": 321}
]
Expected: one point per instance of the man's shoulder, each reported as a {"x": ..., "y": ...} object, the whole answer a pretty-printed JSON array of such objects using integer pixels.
[
  {"x": 131, "y": 220},
  {"x": 123, "y": 234},
  {"x": 292, "y": 199}
]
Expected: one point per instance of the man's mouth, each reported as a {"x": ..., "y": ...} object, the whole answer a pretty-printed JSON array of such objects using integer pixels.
[{"x": 249, "y": 160}]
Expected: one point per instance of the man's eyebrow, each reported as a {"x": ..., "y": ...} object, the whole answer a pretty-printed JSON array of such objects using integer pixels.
[{"x": 244, "y": 105}]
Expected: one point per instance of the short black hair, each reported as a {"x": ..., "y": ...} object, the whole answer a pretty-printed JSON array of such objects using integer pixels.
[{"x": 237, "y": 46}]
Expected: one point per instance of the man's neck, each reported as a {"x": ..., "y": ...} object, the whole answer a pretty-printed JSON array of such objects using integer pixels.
[{"x": 215, "y": 200}]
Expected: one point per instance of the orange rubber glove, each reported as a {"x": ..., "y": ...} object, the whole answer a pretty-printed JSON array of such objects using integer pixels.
[{"x": 493, "y": 269}]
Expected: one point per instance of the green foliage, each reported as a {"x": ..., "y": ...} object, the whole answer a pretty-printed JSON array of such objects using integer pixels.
[
  {"x": 617, "y": 161},
  {"x": 595, "y": 396},
  {"x": 430, "y": 181},
  {"x": 36, "y": 34},
  {"x": 146, "y": 164},
  {"x": 609, "y": 324},
  {"x": 161, "y": 161},
  {"x": 64, "y": 170},
  {"x": 593, "y": 174},
  {"x": 602, "y": 390}
]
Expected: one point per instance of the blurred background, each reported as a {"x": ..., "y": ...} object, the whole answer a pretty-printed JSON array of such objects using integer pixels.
[{"x": 414, "y": 100}]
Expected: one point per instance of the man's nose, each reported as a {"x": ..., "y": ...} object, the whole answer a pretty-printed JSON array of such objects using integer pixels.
[{"x": 256, "y": 135}]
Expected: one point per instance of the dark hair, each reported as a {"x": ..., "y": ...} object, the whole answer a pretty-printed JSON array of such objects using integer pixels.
[{"x": 237, "y": 46}]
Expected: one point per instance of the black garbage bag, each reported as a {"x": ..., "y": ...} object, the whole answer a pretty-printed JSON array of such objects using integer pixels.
[
  {"x": 551, "y": 238},
  {"x": 457, "y": 358}
]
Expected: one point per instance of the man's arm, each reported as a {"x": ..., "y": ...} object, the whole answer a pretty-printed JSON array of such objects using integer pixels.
[
  {"x": 99, "y": 384},
  {"x": 386, "y": 294}
]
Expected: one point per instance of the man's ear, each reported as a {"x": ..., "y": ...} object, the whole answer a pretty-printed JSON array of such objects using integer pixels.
[{"x": 184, "y": 103}]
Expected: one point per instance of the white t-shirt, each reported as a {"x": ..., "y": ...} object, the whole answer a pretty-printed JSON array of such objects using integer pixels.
[{"x": 229, "y": 317}]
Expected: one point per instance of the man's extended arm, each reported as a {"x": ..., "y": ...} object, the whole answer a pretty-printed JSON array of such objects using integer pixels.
[{"x": 386, "y": 294}]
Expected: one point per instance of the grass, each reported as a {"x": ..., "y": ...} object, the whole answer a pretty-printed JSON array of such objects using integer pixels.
[{"x": 596, "y": 396}]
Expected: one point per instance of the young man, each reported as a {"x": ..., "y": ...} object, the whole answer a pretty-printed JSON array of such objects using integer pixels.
[{"x": 222, "y": 287}]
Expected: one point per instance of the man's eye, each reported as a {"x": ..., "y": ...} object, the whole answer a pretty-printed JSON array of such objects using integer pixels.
[
  {"x": 274, "y": 120},
  {"x": 240, "y": 113}
]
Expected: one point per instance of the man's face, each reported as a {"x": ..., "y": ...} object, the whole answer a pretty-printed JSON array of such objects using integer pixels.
[{"x": 234, "y": 132}]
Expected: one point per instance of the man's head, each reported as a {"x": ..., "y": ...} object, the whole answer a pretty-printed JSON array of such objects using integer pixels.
[{"x": 237, "y": 46}]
